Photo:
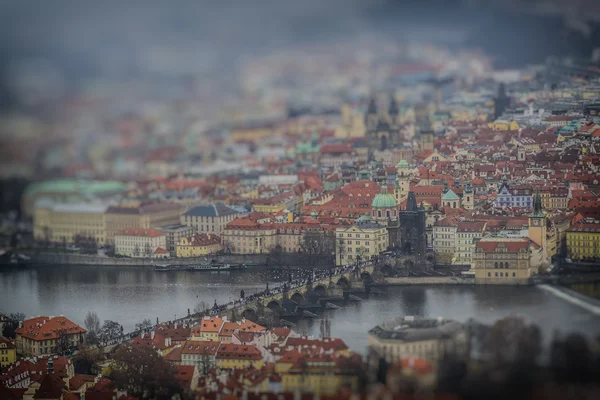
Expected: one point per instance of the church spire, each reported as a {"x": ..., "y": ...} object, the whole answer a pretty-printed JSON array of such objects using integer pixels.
[
  {"x": 393, "y": 106},
  {"x": 411, "y": 202},
  {"x": 537, "y": 206},
  {"x": 372, "y": 109}
]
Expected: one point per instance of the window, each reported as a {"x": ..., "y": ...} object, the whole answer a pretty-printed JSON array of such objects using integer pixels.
[
  {"x": 489, "y": 274},
  {"x": 496, "y": 274},
  {"x": 514, "y": 274}
]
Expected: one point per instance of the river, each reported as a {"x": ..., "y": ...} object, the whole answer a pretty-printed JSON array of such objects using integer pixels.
[{"x": 128, "y": 295}]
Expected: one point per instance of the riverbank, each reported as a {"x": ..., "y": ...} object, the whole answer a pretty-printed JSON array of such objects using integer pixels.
[{"x": 48, "y": 258}]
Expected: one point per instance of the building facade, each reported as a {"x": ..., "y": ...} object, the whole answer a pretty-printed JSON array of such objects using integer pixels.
[
  {"x": 516, "y": 196},
  {"x": 199, "y": 244},
  {"x": 360, "y": 241},
  {"x": 210, "y": 218},
  {"x": 429, "y": 339},
  {"x": 139, "y": 242},
  {"x": 467, "y": 234},
  {"x": 40, "y": 336},
  {"x": 174, "y": 233},
  {"x": 63, "y": 223},
  {"x": 583, "y": 242},
  {"x": 8, "y": 352},
  {"x": 505, "y": 260},
  {"x": 140, "y": 215}
]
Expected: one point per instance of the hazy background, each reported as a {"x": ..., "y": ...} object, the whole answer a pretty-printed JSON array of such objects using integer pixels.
[{"x": 61, "y": 41}]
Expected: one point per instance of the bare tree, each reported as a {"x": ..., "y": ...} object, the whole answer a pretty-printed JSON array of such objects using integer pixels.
[
  {"x": 145, "y": 325},
  {"x": 147, "y": 250},
  {"x": 110, "y": 330},
  {"x": 136, "y": 250},
  {"x": 316, "y": 248},
  {"x": 201, "y": 307},
  {"x": 14, "y": 320},
  {"x": 143, "y": 373},
  {"x": 63, "y": 343},
  {"x": 92, "y": 325}
]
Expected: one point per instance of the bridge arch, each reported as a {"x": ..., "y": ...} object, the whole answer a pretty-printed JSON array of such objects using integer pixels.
[
  {"x": 343, "y": 281},
  {"x": 250, "y": 314},
  {"x": 387, "y": 270},
  {"x": 274, "y": 304},
  {"x": 297, "y": 297},
  {"x": 321, "y": 290},
  {"x": 365, "y": 276}
]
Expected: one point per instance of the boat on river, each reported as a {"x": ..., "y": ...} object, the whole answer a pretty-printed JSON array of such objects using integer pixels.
[
  {"x": 215, "y": 266},
  {"x": 165, "y": 267}
]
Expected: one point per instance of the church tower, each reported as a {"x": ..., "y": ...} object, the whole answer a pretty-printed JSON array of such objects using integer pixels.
[
  {"x": 393, "y": 112},
  {"x": 501, "y": 102},
  {"x": 537, "y": 226},
  {"x": 468, "y": 202},
  {"x": 426, "y": 135},
  {"x": 371, "y": 117},
  {"x": 402, "y": 180}
]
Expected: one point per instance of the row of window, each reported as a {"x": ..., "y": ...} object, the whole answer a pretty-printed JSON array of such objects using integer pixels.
[{"x": 502, "y": 275}]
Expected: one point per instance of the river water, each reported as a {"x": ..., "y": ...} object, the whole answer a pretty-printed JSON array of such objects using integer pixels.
[{"x": 128, "y": 295}]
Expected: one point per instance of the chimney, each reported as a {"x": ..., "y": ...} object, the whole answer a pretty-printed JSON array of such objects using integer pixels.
[{"x": 152, "y": 335}]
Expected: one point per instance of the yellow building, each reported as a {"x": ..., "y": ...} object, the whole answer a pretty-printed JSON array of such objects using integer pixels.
[
  {"x": 322, "y": 374},
  {"x": 8, "y": 352},
  {"x": 583, "y": 242},
  {"x": 238, "y": 356},
  {"x": 40, "y": 336},
  {"x": 208, "y": 329},
  {"x": 360, "y": 241},
  {"x": 505, "y": 260},
  {"x": 198, "y": 245},
  {"x": 140, "y": 215},
  {"x": 61, "y": 223},
  {"x": 252, "y": 131},
  {"x": 503, "y": 125}
]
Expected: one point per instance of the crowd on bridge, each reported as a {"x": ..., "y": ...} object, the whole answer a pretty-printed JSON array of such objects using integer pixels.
[{"x": 305, "y": 277}]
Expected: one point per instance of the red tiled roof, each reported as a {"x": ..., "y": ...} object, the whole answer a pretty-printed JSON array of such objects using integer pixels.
[
  {"x": 511, "y": 246},
  {"x": 45, "y": 328},
  {"x": 238, "y": 351},
  {"x": 200, "y": 347}
]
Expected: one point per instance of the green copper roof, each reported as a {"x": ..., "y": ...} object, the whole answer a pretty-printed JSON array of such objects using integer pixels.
[
  {"x": 402, "y": 164},
  {"x": 450, "y": 196},
  {"x": 75, "y": 186},
  {"x": 384, "y": 199}
]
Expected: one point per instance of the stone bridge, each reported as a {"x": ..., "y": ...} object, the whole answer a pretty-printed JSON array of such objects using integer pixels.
[{"x": 331, "y": 286}]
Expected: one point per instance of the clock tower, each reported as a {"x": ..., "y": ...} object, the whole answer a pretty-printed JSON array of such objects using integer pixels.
[{"x": 537, "y": 226}]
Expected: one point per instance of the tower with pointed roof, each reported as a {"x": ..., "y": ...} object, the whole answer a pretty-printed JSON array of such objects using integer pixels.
[
  {"x": 537, "y": 226},
  {"x": 402, "y": 181},
  {"x": 426, "y": 135},
  {"x": 467, "y": 200},
  {"x": 382, "y": 128},
  {"x": 413, "y": 237}
]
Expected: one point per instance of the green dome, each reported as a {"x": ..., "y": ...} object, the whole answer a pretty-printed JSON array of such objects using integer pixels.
[
  {"x": 402, "y": 164},
  {"x": 384, "y": 199},
  {"x": 450, "y": 196}
]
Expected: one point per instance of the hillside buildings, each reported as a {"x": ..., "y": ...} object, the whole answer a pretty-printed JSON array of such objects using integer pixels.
[{"x": 41, "y": 335}]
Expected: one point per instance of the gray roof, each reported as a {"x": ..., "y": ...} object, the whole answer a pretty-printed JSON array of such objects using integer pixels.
[
  {"x": 416, "y": 329},
  {"x": 212, "y": 210}
]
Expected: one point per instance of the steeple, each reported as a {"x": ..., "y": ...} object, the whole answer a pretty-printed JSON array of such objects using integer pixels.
[
  {"x": 372, "y": 109},
  {"x": 393, "y": 106},
  {"x": 445, "y": 187},
  {"x": 538, "y": 211},
  {"x": 468, "y": 188},
  {"x": 411, "y": 202}
]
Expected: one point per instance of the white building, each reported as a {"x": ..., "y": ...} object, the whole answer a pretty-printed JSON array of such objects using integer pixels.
[{"x": 139, "y": 242}]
